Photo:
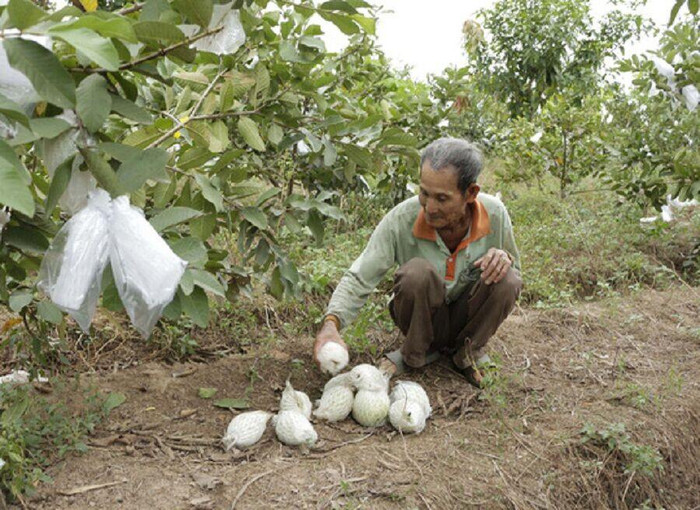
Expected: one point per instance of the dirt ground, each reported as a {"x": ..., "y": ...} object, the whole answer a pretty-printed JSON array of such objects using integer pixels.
[{"x": 632, "y": 360}]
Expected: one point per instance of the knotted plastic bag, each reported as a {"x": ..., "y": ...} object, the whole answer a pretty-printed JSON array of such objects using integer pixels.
[
  {"x": 146, "y": 270},
  {"x": 71, "y": 272}
]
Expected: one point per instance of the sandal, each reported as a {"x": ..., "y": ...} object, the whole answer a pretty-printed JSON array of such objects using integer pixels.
[{"x": 392, "y": 362}]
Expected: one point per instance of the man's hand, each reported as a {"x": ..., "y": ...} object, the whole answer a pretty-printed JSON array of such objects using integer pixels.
[
  {"x": 494, "y": 265},
  {"x": 328, "y": 333}
]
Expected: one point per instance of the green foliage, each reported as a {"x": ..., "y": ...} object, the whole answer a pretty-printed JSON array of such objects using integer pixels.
[
  {"x": 532, "y": 50},
  {"x": 571, "y": 249},
  {"x": 35, "y": 431},
  {"x": 564, "y": 139},
  {"x": 204, "y": 141},
  {"x": 659, "y": 123},
  {"x": 643, "y": 459}
]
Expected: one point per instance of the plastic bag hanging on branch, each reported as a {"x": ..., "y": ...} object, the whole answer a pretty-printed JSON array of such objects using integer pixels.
[
  {"x": 146, "y": 270},
  {"x": 71, "y": 272}
]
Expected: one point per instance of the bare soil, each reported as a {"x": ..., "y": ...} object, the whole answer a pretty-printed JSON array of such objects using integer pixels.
[{"x": 632, "y": 360}]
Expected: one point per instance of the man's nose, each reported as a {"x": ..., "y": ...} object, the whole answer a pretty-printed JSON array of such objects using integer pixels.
[{"x": 431, "y": 206}]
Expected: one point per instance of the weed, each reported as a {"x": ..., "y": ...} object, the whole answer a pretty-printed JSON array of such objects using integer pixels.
[
  {"x": 35, "y": 431},
  {"x": 642, "y": 459},
  {"x": 494, "y": 384},
  {"x": 674, "y": 382}
]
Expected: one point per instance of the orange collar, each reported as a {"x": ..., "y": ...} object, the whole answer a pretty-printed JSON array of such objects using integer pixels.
[{"x": 480, "y": 227}]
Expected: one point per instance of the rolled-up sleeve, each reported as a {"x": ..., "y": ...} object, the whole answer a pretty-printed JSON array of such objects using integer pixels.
[{"x": 365, "y": 273}]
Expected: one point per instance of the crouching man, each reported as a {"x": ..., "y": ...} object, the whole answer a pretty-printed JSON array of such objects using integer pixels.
[{"x": 459, "y": 274}]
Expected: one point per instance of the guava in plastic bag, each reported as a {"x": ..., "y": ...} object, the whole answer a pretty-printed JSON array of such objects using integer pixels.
[
  {"x": 146, "y": 271},
  {"x": 71, "y": 272},
  {"x": 230, "y": 38}
]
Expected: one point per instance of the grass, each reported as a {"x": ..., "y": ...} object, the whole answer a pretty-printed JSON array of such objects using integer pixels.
[{"x": 35, "y": 431}]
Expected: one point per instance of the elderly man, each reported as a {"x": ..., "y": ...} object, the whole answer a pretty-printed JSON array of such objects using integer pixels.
[{"x": 459, "y": 267}]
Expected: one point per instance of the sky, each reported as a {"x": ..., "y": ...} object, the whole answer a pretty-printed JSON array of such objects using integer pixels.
[{"x": 428, "y": 35}]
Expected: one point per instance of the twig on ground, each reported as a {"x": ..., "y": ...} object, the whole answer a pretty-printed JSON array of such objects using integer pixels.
[
  {"x": 88, "y": 488},
  {"x": 248, "y": 484}
]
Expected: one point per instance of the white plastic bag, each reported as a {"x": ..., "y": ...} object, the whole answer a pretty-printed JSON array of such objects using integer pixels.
[
  {"x": 230, "y": 38},
  {"x": 146, "y": 270},
  {"x": 71, "y": 272}
]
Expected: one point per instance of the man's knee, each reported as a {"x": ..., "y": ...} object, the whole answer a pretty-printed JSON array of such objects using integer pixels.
[
  {"x": 508, "y": 289},
  {"x": 417, "y": 276}
]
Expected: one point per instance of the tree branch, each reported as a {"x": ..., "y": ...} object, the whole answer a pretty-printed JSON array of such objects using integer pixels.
[
  {"x": 160, "y": 53},
  {"x": 129, "y": 10}
]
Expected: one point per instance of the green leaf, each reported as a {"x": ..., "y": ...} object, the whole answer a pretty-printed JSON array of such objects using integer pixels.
[
  {"x": 249, "y": 131},
  {"x": 93, "y": 102},
  {"x": 48, "y": 76},
  {"x": 187, "y": 283},
  {"x": 27, "y": 238},
  {"x": 12, "y": 416},
  {"x": 173, "y": 216},
  {"x": 14, "y": 190},
  {"x": 359, "y": 155},
  {"x": 196, "y": 306},
  {"x": 149, "y": 164},
  {"x": 226, "y": 96},
  {"x": 206, "y": 392},
  {"x": 313, "y": 42},
  {"x": 174, "y": 308},
  {"x": 157, "y": 33},
  {"x": 208, "y": 282},
  {"x": 369, "y": 25},
  {"x": 190, "y": 249},
  {"x": 91, "y": 45},
  {"x": 49, "y": 312},
  {"x": 59, "y": 183},
  {"x": 119, "y": 151},
  {"x": 218, "y": 142},
  {"x": 210, "y": 193},
  {"x": 395, "y": 136},
  {"x": 267, "y": 195},
  {"x": 342, "y": 21},
  {"x": 315, "y": 224},
  {"x": 255, "y": 217},
  {"x": 24, "y": 13},
  {"x": 276, "y": 285},
  {"x": 203, "y": 227},
  {"x": 117, "y": 27},
  {"x": 289, "y": 53},
  {"x": 48, "y": 127},
  {"x": 232, "y": 403},
  {"x": 13, "y": 111},
  {"x": 110, "y": 294},
  {"x": 113, "y": 401},
  {"x": 19, "y": 299},
  {"x": 194, "y": 157},
  {"x": 198, "y": 12},
  {"x": 275, "y": 134},
  {"x": 693, "y": 6},
  {"x": 130, "y": 110},
  {"x": 338, "y": 5},
  {"x": 674, "y": 11}
]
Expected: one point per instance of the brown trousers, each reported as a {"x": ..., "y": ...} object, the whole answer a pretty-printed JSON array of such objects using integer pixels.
[{"x": 461, "y": 328}]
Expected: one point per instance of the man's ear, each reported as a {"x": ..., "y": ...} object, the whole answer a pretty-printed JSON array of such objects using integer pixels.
[{"x": 472, "y": 192}]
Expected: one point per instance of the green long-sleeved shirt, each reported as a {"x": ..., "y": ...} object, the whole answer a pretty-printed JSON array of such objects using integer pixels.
[{"x": 403, "y": 234}]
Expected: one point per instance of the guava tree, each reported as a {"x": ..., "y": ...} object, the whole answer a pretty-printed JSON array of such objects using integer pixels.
[{"x": 227, "y": 123}]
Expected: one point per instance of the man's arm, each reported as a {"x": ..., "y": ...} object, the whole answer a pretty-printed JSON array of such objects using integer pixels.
[{"x": 357, "y": 283}]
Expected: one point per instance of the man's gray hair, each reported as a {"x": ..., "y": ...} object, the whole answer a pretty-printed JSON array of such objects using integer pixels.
[{"x": 464, "y": 156}]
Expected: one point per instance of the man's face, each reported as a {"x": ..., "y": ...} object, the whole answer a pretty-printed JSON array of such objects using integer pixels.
[{"x": 444, "y": 205}]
